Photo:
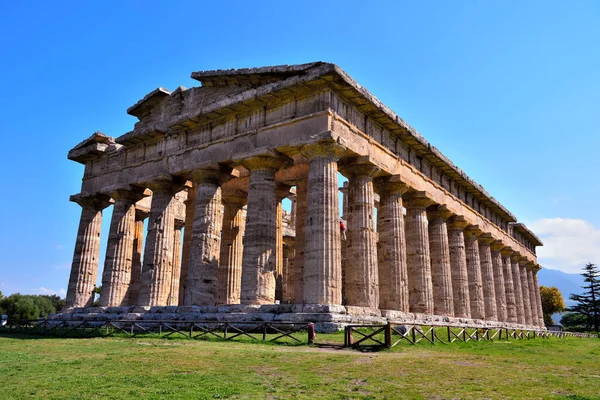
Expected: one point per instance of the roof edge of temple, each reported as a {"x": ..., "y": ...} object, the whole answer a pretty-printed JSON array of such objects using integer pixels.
[
  {"x": 521, "y": 227},
  {"x": 92, "y": 147},
  {"x": 141, "y": 107}
]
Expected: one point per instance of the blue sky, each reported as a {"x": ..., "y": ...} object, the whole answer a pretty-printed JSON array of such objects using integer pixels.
[{"x": 509, "y": 91}]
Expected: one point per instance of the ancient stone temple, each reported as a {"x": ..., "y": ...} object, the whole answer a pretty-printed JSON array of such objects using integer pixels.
[{"x": 206, "y": 169}]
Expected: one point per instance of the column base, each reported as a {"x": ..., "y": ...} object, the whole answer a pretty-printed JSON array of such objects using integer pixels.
[{"x": 326, "y": 317}]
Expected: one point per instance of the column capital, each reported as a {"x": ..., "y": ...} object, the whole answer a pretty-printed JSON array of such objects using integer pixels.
[
  {"x": 359, "y": 168},
  {"x": 282, "y": 191},
  {"x": 390, "y": 184},
  {"x": 129, "y": 193},
  {"x": 141, "y": 214},
  {"x": 486, "y": 238},
  {"x": 438, "y": 212},
  {"x": 523, "y": 260},
  {"x": 473, "y": 231},
  {"x": 211, "y": 172},
  {"x": 497, "y": 245},
  {"x": 263, "y": 162},
  {"x": 530, "y": 265},
  {"x": 179, "y": 224},
  {"x": 418, "y": 199},
  {"x": 98, "y": 201},
  {"x": 165, "y": 183},
  {"x": 457, "y": 222},
  {"x": 507, "y": 251},
  {"x": 515, "y": 256},
  {"x": 332, "y": 150}
]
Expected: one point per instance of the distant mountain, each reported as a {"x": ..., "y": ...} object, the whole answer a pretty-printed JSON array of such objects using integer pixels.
[{"x": 566, "y": 283}]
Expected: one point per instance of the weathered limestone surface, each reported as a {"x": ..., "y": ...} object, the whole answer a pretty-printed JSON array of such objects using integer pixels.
[
  {"x": 516, "y": 275},
  {"x": 417, "y": 253},
  {"x": 535, "y": 318},
  {"x": 157, "y": 269},
  {"x": 133, "y": 291},
  {"x": 258, "y": 263},
  {"x": 509, "y": 286},
  {"x": 525, "y": 292},
  {"x": 439, "y": 247},
  {"x": 458, "y": 263},
  {"x": 116, "y": 276},
  {"x": 232, "y": 248},
  {"x": 190, "y": 203},
  {"x": 322, "y": 276},
  {"x": 362, "y": 282},
  {"x": 500, "y": 291},
  {"x": 487, "y": 278},
  {"x": 175, "y": 278},
  {"x": 289, "y": 248},
  {"x": 474, "y": 270},
  {"x": 391, "y": 247},
  {"x": 84, "y": 269}
]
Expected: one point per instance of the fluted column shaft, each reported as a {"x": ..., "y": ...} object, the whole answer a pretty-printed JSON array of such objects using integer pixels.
[
  {"x": 509, "y": 286},
  {"x": 136, "y": 258},
  {"x": 190, "y": 203},
  {"x": 206, "y": 238},
  {"x": 458, "y": 264},
  {"x": 84, "y": 269},
  {"x": 420, "y": 288},
  {"x": 441, "y": 275},
  {"x": 526, "y": 296},
  {"x": 474, "y": 269},
  {"x": 258, "y": 263},
  {"x": 230, "y": 267},
  {"x": 289, "y": 248},
  {"x": 116, "y": 276},
  {"x": 487, "y": 278},
  {"x": 532, "y": 295},
  {"x": 498, "y": 268},
  {"x": 516, "y": 275},
  {"x": 362, "y": 279},
  {"x": 391, "y": 248},
  {"x": 176, "y": 277},
  {"x": 157, "y": 270},
  {"x": 538, "y": 300},
  {"x": 322, "y": 252}
]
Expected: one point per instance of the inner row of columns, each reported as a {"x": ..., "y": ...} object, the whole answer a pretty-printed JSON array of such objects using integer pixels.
[{"x": 428, "y": 261}]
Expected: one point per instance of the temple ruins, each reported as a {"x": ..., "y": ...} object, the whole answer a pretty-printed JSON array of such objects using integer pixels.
[{"x": 207, "y": 168}]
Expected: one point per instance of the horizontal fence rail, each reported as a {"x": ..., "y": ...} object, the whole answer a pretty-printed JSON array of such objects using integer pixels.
[
  {"x": 355, "y": 336},
  {"x": 288, "y": 332},
  {"x": 390, "y": 335}
]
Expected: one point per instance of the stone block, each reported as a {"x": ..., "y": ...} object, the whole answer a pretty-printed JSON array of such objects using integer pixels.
[
  {"x": 141, "y": 309},
  {"x": 363, "y": 311},
  {"x": 324, "y": 308},
  {"x": 117, "y": 310}
]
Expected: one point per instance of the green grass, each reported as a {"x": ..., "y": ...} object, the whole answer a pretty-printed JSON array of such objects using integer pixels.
[{"x": 150, "y": 368}]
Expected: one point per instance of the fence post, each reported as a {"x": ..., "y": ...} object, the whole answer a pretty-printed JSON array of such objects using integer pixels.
[
  {"x": 388, "y": 335},
  {"x": 264, "y": 332},
  {"x": 311, "y": 333},
  {"x": 449, "y": 337}
]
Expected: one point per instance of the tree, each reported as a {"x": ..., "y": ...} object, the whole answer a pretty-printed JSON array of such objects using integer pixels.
[
  {"x": 574, "y": 322},
  {"x": 588, "y": 303},
  {"x": 18, "y": 306},
  {"x": 552, "y": 302}
]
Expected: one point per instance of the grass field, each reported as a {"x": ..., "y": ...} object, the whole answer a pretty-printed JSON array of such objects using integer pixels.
[{"x": 121, "y": 368}]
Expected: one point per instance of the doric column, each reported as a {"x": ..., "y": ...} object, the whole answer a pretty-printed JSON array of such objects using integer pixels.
[
  {"x": 487, "y": 277},
  {"x": 157, "y": 270},
  {"x": 229, "y": 280},
  {"x": 176, "y": 277},
  {"x": 361, "y": 277},
  {"x": 297, "y": 264},
  {"x": 516, "y": 275},
  {"x": 258, "y": 263},
  {"x": 525, "y": 291},
  {"x": 538, "y": 298},
  {"x": 84, "y": 270},
  {"x": 322, "y": 253},
  {"x": 509, "y": 286},
  {"x": 190, "y": 203},
  {"x": 420, "y": 288},
  {"x": 498, "y": 268},
  {"x": 136, "y": 262},
  {"x": 206, "y": 236},
  {"x": 344, "y": 248},
  {"x": 535, "y": 318},
  {"x": 458, "y": 262},
  {"x": 474, "y": 269},
  {"x": 439, "y": 247},
  {"x": 391, "y": 248},
  {"x": 116, "y": 276}
]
